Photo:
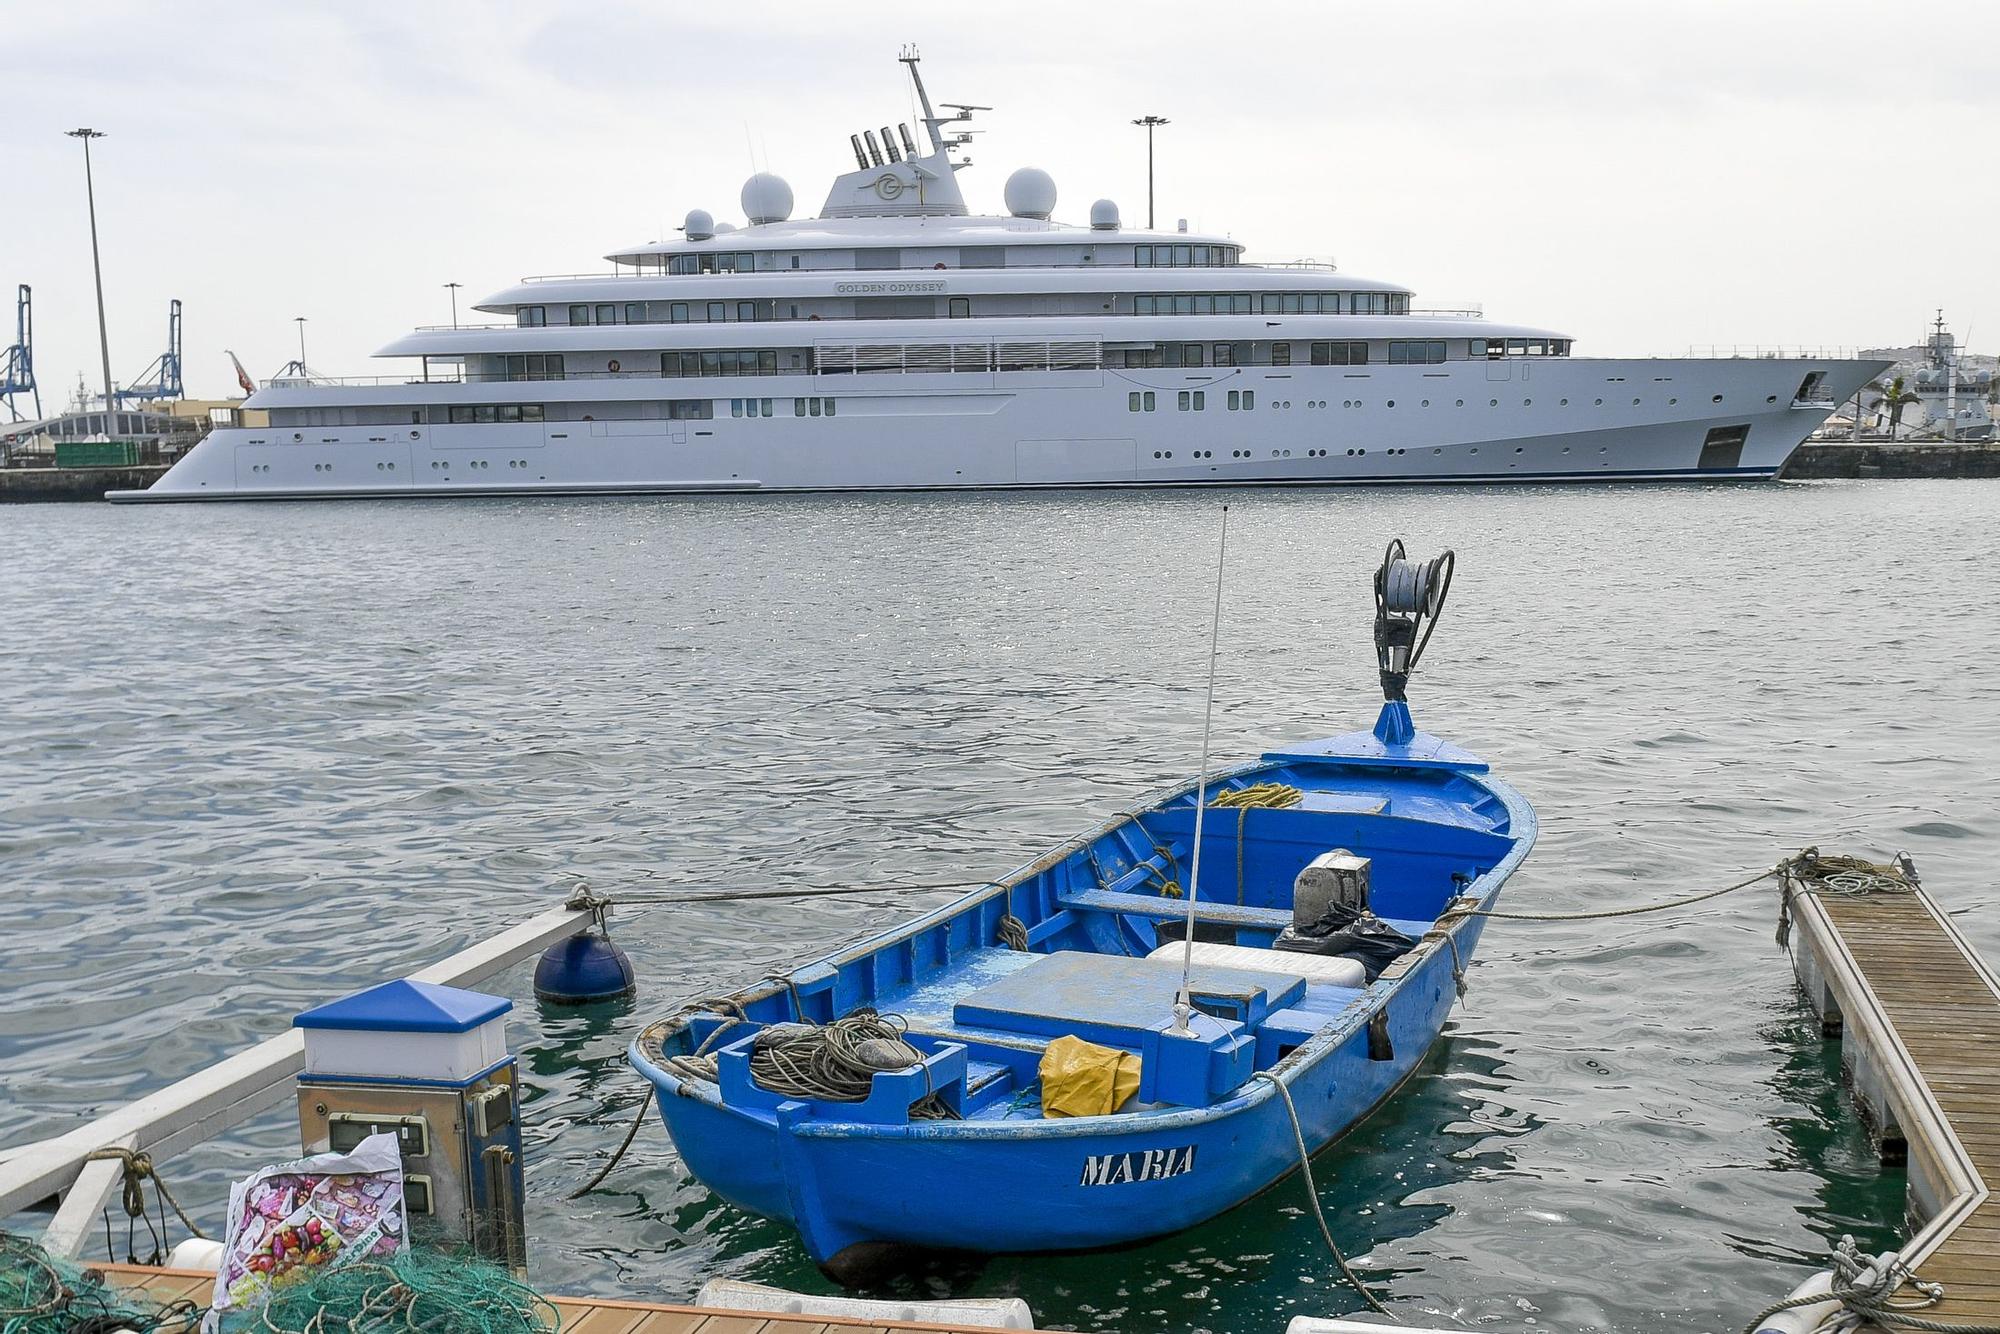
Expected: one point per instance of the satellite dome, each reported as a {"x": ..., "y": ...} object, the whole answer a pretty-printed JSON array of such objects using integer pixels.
[
  {"x": 1104, "y": 215},
  {"x": 766, "y": 198},
  {"x": 722, "y": 227},
  {"x": 1031, "y": 193},
  {"x": 700, "y": 224}
]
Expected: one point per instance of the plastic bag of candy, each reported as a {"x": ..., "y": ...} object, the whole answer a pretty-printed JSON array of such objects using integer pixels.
[{"x": 297, "y": 1219}]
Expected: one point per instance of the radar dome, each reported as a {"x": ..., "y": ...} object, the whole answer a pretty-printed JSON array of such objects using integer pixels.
[
  {"x": 1104, "y": 215},
  {"x": 766, "y": 198},
  {"x": 700, "y": 224},
  {"x": 1031, "y": 193},
  {"x": 722, "y": 227}
]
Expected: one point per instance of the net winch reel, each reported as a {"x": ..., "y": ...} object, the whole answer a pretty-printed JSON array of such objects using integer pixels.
[{"x": 1409, "y": 595}]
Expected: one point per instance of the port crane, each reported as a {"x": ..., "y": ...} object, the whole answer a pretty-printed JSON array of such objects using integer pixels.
[
  {"x": 17, "y": 365},
  {"x": 162, "y": 379}
]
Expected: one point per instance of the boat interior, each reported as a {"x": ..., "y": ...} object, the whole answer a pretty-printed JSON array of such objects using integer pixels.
[{"x": 1089, "y": 942}]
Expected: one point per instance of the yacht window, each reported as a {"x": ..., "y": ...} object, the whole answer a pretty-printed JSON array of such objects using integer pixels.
[
  {"x": 533, "y": 317},
  {"x": 815, "y": 405},
  {"x": 1183, "y": 256},
  {"x": 1538, "y": 347},
  {"x": 635, "y": 312},
  {"x": 736, "y": 407},
  {"x": 1249, "y": 399},
  {"x": 1147, "y": 404},
  {"x": 1225, "y": 354},
  {"x": 677, "y": 312},
  {"x": 745, "y": 261},
  {"x": 959, "y": 307},
  {"x": 711, "y": 363},
  {"x": 718, "y": 311},
  {"x": 1142, "y": 256},
  {"x": 1184, "y": 400},
  {"x": 1475, "y": 348},
  {"x": 1273, "y": 304},
  {"x": 683, "y": 264},
  {"x": 829, "y": 407},
  {"x": 691, "y": 409},
  {"x": 1191, "y": 354},
  {"x": 1340, "y": 354},
  {"x": 1517, "y": 347},
  {"x": 795, "y": 261},
  {"x": 1171, "y": 355},
  {"x": 1142, "y": 305},
  {"x": 507, "y": 412},
  {"x": 579, "y": 314},
  {"x": 1184, "y": 305},
  {"x": 1281, "y": 354},
  {"x": 531, "y": 412},
  {"x": 767, "y": 361},
  {"x": 607, "y": 314},
  {"x": 1132, "y": 401},
  {"x": 1235, "y": 400},
  {"x": 1240, "y": 302},
  {"x": 746, "y": 310}
]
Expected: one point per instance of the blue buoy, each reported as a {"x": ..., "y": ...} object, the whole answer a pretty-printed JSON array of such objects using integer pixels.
[{"x": 583, "y": 968}]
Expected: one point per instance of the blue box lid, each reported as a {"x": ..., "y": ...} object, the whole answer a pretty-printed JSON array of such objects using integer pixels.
[{"x": 407, "y": 1007}]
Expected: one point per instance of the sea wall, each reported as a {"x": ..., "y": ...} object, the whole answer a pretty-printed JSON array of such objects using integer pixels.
[
  {"x": 18, "y": 484},
  {"x": 1825, "y": 458}
]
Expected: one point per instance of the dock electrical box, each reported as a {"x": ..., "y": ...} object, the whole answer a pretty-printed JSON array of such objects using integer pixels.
[{"x": 430, "y": 1065}]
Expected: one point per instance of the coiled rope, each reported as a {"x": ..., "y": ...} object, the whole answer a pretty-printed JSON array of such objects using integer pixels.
[
  {"x": 1867, "y": 1288},
  {"x": 1840, "y": 877},
  {"x": 838, "y": 1061},
  {"x": 1257, "y": 796},
  {"x": 1312, "y": 1195}
]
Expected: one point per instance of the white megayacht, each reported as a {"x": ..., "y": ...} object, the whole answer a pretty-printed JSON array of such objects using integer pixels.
[{"x": 897, "y": 342}]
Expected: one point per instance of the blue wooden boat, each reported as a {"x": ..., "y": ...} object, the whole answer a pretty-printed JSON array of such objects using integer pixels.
[{"x": 954, "y": 1151}]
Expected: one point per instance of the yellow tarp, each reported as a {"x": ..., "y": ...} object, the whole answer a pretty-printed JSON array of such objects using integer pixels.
[{"x": 1083, "y": 1079}]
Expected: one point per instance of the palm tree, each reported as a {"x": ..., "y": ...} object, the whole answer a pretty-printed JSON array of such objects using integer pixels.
[{"x": 1895, "y": 398}]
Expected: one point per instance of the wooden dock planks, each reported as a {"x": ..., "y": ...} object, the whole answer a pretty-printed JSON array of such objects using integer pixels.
[
  {"x": 580, "y": 1315},
  {"x": 1920, "y": 1014}
]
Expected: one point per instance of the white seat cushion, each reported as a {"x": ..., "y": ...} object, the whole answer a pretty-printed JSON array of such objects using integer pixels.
[{"x": 1312, "y": 967}]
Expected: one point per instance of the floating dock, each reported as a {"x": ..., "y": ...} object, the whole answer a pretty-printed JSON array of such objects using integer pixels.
[{"x": 1917, "y": 1014}]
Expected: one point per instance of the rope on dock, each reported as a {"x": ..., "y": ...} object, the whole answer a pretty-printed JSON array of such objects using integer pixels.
[
  {"x": 1867, "y": 1289},
  {"x": 1840, "y": 877},
  {"x": 1312, "y": 1195},
  {"x": 138, "y": 1167}
]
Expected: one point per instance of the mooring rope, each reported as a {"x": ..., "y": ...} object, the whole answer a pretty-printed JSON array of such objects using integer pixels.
[
  {"x": 1867, "y": 1288},
  {"x": 138, "y": 1168},
  {"x": 1840, "y": 877},
  {"x": 1312, "y": 1195}
]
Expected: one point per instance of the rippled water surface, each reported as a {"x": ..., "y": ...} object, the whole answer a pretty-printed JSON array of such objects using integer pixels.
[{"x": 253, "y": 755}]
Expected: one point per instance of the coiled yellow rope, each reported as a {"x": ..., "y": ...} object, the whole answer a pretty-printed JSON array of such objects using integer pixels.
[{"x": 1264, "y": 796}]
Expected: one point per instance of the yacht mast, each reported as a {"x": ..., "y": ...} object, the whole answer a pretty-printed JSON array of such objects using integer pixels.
[{"x": 931, "y": 119}]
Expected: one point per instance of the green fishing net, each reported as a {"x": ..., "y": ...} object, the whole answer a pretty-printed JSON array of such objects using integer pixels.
[
  {"x": 436, "y": 1292},
  {"x": 40, "y": 1294}
]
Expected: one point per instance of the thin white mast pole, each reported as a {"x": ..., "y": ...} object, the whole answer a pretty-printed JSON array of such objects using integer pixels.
[{"x": 1184, "y": 1002}]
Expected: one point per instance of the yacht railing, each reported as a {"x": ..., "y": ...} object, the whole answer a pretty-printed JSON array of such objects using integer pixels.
[
  {"x": 1451, "y": 312},
  {"x": 1747, "y": 352}
]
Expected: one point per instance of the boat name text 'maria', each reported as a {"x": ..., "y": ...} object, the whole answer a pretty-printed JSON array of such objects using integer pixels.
[{"x": 1117, "y": 1169}]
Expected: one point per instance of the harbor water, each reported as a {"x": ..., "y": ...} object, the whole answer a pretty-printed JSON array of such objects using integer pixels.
[{"x": 255, "y": 755}]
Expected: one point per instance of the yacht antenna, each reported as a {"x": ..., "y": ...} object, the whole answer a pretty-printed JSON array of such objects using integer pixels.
[
  {"x": 931, "y": 122},
  {"x": 1184, "y": 1000}
]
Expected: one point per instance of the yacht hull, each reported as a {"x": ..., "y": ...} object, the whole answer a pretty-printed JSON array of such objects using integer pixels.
[{"x": 1519, "y": 420}]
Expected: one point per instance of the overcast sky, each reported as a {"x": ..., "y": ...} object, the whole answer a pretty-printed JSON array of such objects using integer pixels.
[{"x": 1641, "y": 176}]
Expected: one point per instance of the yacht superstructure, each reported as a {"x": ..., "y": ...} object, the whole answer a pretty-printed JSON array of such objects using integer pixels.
[{"x": 897, "y": 341}]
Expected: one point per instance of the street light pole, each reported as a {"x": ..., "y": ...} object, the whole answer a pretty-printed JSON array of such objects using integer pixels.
[
  {"x": 96, "y": 264},
  {"x": 454, "y": 302},
  {"x": 1151, "y": 123}
]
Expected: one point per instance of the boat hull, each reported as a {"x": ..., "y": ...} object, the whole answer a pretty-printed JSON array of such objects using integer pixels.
[{"x": 1081, "y": 1184}]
